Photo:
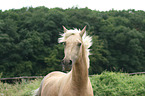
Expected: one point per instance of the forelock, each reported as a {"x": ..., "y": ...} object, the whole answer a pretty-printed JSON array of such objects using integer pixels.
[
  {"x": 68, "y": 34},
  {"x": 87, "y": 40}
]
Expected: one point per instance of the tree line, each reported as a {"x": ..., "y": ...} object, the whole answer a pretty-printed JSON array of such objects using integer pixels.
[{"x": 29, "y": 39}]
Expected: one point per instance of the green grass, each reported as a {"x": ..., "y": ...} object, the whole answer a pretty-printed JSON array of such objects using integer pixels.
[
  {"x": 23, "y": 89},
  {"x": 105, "y": 84},
  {"x": 118, "y": 84}
]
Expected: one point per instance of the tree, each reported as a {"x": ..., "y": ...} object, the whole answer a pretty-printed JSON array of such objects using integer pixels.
[
  {"x": 98, "y": 56},
  {"x": 28, "y": 39}
]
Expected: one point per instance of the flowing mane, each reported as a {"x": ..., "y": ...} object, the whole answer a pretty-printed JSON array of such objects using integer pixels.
[{"x": 87, "y": 41}]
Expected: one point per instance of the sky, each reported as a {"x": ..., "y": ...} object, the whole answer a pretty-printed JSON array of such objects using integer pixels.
[{"x": 101, "y": 5}]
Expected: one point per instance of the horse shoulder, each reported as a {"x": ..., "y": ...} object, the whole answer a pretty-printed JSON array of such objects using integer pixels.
[{"x": 51, "y": 84}]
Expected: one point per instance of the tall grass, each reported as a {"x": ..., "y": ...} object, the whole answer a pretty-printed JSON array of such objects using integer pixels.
[
  {"x": 118, "y": 84},
  {"x": 24, "y": 88},
  {"x": 106, "y": 84}
]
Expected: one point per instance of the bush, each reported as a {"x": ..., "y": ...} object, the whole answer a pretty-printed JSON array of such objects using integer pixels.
[{"x": 118, "y": 84}]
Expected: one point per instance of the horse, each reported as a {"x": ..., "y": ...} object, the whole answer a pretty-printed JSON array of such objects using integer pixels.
[{"x": 76, "y": 82}]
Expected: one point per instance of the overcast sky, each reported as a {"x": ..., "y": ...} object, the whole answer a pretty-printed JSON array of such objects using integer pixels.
[{"x": 102, "y": 5}]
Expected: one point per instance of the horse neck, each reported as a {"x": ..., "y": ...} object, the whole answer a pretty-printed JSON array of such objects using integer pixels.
[{"x": 79, "y": 69}]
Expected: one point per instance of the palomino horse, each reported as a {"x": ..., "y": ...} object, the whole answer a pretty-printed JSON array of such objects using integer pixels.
[{"x": 76, "y": 82}]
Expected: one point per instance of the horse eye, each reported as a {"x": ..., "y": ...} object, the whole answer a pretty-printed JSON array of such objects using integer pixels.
[
  {"x": 79, "y": 44},
  {"x": 64, "y": 43}
]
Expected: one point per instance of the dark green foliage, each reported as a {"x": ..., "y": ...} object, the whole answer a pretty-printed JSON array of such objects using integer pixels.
[
  {"x": 28, "y": 39},
  {"x": 98, "y": 55}
]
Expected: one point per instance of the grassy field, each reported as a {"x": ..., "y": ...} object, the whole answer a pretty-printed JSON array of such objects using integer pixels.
[{"x": 105, "y": 84}]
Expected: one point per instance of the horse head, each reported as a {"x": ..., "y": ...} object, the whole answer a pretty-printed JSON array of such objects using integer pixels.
[{"x": 72, "y": 43}]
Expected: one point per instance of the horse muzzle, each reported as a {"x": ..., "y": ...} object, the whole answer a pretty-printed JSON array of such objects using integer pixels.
[
  {"x": 66, "y": 62},
  {"x": 66, "y": 65}
]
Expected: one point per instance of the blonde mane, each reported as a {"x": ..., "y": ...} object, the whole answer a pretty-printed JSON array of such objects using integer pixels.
[{"x": 87, "y": 41}]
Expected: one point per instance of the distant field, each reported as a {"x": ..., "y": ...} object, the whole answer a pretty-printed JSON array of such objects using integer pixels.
[{"x": 106, "y": 84}]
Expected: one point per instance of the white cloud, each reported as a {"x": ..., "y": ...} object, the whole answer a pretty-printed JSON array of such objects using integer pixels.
[{"x": 101, "y": 5}]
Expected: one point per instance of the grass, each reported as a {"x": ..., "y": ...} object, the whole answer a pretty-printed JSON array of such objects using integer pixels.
[
  {"x": 24, "y": 88},
  {"x": 105, "y": 84},
  {"x": 118, "y": 84}
]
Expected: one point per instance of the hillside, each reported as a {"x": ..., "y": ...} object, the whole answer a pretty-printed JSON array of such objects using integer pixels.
[{"x": 29, "y": 39}]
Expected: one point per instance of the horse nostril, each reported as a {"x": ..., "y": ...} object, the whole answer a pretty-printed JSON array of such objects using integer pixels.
[
  {"x": 65, "y": 62},
  {"x": 70, "y": 62}
]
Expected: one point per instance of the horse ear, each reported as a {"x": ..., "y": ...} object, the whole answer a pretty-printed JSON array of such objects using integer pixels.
[
  {"x": 83, "y": 31},
  {"x": 64, "y": 29}
]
